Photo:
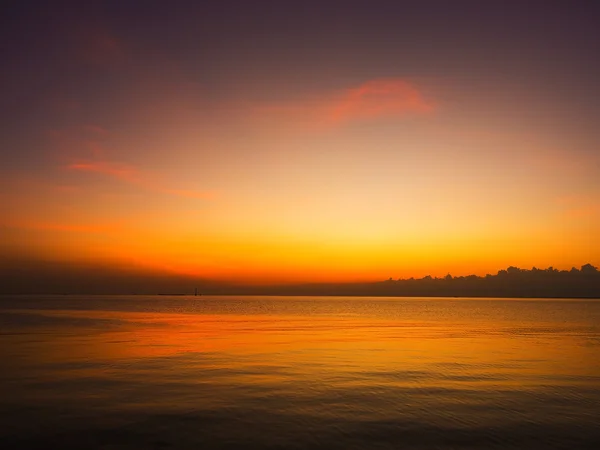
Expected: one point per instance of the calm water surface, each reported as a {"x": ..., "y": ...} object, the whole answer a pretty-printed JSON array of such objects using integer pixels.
[{"x": 94, "y": 372}]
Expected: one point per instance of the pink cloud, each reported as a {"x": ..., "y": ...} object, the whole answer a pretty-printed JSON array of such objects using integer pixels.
[
  {"x": 379, "y": 98},
  {"x": 120, "y": 171},
  {"x": 133, "y": 175},
  {"x": 85, "y": 149}
]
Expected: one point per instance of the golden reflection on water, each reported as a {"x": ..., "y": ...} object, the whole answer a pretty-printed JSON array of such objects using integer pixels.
[
  {"x": 149, "y": 372},
  {"x": 320, "y": 349}
]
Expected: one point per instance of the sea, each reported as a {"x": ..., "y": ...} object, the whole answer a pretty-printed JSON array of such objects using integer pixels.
[{"x": 236, "y": 372}]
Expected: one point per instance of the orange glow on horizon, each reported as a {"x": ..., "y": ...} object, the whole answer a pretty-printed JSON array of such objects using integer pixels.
[
  {"x": 360, "y": 202},
  {"x": 284, "y": 146}
]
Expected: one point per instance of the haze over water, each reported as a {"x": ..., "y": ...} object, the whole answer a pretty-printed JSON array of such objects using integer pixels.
[{"x": 298, "y": 372}]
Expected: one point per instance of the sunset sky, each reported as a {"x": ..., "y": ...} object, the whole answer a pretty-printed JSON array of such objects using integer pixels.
[{"x": 300, "y": 141}]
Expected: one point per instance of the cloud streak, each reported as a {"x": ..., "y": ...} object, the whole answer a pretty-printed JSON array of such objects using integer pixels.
[
  {"x": 95, "y": 141},
  {"x": 132, "y": 175},
  {"x": 374, "y": 99},
  {"x": 120, "y": 171},
  {"x": 377, "y": 98}
]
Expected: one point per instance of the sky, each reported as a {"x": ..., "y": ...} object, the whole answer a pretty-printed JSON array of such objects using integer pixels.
[{"x": 272, "y": 142}]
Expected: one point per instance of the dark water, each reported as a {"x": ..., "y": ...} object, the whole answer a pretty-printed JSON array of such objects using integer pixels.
[{"x": 315, "y": 373}]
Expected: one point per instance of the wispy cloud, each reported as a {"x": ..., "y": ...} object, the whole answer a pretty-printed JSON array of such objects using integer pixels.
[
  {"x": 135, "y": 176},
  {"x": 120, "y": 171},
  {"x": 90, "y": 148},
  {"x": 379, "y": 98}
]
